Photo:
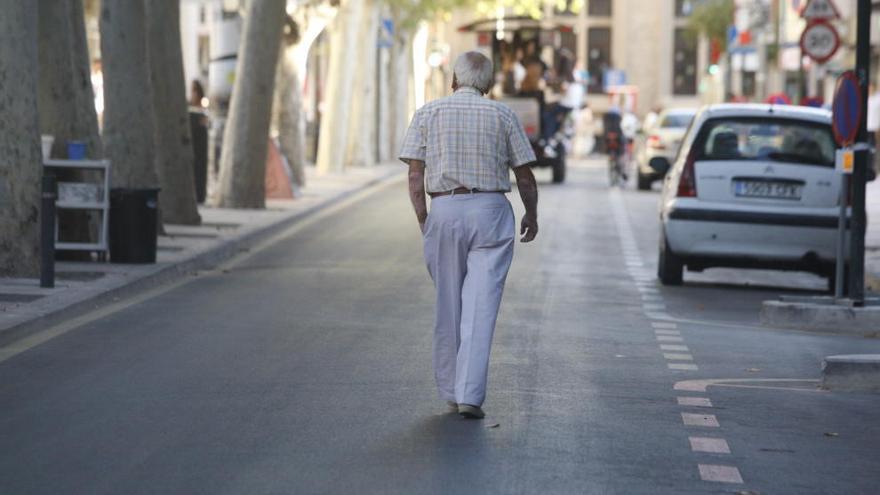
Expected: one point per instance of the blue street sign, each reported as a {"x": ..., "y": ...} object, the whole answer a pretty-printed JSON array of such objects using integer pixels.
[
  {"x": 732, "y": 34},
  {"x": 846, "y": 110}
]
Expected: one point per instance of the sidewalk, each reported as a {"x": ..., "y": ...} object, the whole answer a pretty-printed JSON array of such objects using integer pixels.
[{"x": 184, "y": 250}]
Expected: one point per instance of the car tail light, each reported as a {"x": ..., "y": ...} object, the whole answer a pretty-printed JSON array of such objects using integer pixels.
[
  {"x": 655, "y": 142},
  {"x": 687, "y": 182}
]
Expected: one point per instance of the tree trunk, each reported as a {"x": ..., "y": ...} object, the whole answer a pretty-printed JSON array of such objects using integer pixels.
[
  {"x": 398, "y": 90},
  {"x": 361, "y": 146},
  {"x": 334, "y": 121},
  {"x": 174, "y": 150},
  {"x": 128, "y": 96},
  {"x": 243, "y": 158},
  {"x": 66, "y": 98},
  {"x": 20, "y": 167},
  {"x": 287, "y": 114}
]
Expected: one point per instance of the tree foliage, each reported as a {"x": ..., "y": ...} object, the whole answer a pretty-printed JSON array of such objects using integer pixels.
[{"x": 711, "y": 18}]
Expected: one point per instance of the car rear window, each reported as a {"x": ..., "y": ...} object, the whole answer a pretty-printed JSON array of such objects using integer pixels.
[
  {"x": 767, "y": 139},
  {"x": 676, "y": 120}
]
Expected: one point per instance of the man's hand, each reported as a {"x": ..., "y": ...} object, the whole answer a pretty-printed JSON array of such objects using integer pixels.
[
  {"x": 528, "y": 191},
  {"x": 529, "y": 228},
  {"x": 417, "y": 191}
]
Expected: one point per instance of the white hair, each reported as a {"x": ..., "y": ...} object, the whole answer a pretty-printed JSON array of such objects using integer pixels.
[{"x": 475, "y": 70}]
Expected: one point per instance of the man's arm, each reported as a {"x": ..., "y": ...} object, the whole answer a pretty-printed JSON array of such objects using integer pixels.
[
  {"x": 417, "y": 191},
  {"x": 528, "y": 191}
]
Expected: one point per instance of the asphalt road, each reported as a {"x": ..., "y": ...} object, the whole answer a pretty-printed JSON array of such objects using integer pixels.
[{"x": 305, "y": 368}]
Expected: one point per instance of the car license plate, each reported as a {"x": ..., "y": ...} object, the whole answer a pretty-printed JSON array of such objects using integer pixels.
[{"x": 767, "y": 189}]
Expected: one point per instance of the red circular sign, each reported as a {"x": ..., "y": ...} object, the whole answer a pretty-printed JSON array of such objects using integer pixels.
[{"x": 820, "y": 41}]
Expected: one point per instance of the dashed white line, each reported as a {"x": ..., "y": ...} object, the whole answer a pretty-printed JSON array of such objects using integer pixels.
[
  {"x": 694, "y": 402},
  {"x": 710, "y": 445},
  {"x": 667, "y": 332},
  {"x": 705, "y": 420},
  {"x": 677, "y": 357},
  {"x": 682, "y": 366},
  {"x": 674, "y": 347},
  {"x": 663, "y": 324},
  {"x": 669, "y": 338},
  {"x": 721, "y": 474}
]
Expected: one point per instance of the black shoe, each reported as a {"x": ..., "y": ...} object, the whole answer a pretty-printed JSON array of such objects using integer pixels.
[{"x": 471, "y": 412}]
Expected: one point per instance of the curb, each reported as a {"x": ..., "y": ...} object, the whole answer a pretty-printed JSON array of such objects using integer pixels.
[
  {"x": 852, "y": 373},
  {"x": 830, "y": 318},
  {"x": 202, "y": 261}
]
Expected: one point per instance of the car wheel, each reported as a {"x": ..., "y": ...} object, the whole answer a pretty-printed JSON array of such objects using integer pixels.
[
  {"x": 644, "y": 183},
  {"x": 670, "y": 267}
]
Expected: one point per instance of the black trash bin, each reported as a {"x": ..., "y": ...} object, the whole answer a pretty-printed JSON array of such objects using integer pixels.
[{"x": 133, "y": 225}]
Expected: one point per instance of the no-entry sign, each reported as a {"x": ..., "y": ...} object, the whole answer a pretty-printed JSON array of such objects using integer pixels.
[
  {"x": 846, "y": 110},
  {"x": 820, "y": 41}
]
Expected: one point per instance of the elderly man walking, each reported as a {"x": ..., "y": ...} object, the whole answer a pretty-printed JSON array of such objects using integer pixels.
[{"x": 459, "y": 150}]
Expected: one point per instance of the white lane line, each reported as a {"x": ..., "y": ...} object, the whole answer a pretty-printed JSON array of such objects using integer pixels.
[
  {"x": 669, "y": 338},
  {"x": 710, "y": 445},
  {"x": 677, "y": 357},
  {"x": 721, "y": 474},
  {"x": 663, "y": 324},
  {"x": 701, "y": 385},
  {"x": 653, "y": 307},
  {"x": 651, "y": 290},
  {"x": 705, "y": 420},
  {"x": 652, "y": 297},
  {"x": 694, "y": 402},
  {"x": 667, "y": 332},
  {"x": 674, "y": 347},
  {"x": 682, "y": 366}
]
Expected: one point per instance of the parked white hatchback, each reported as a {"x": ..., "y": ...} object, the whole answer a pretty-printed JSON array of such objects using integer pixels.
[{"x": 753, "y": 186}]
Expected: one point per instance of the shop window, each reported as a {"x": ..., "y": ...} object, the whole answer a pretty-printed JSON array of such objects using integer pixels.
[
  {"x": 599, "y": 51},
  {"x": 684, "y": 63},
  {"x": 599, "y": 8}
]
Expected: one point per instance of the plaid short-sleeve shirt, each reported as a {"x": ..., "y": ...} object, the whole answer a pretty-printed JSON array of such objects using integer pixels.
[{"x": 467, "y": 141}]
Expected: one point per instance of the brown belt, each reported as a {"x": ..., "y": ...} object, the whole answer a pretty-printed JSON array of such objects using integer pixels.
[{"x": 459, "y": 190}]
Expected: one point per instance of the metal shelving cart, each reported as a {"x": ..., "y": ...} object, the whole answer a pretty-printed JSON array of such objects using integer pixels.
[{"x": 94, "y": 196}]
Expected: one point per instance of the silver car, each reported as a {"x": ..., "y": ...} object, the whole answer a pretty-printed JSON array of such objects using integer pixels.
[{"x": 659, "y": 144}]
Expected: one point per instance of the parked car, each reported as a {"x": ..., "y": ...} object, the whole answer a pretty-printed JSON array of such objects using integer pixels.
[
  {"x": 659, "y": 144},
  {"x": 753, "y": 186}
]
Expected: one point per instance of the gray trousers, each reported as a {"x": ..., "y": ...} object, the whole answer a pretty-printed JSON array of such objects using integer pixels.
[{"x": 469, "y": 242}]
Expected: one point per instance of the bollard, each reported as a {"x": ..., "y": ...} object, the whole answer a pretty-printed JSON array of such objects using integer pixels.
[{"x": 47, "y": 231}]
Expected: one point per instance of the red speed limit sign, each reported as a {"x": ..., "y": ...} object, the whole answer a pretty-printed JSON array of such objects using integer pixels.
[{"x": 820, "y": 41}]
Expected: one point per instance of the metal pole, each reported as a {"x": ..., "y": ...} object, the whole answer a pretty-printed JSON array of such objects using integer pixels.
[
  {"x": 841, "y": 238},
  {"x": 859, "y": 220},
  {"x": 47, "y": 231}
]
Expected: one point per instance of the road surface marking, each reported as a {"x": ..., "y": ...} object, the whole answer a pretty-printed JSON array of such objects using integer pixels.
[
  {"x": 667, "y": 332},
  {"x": 694, "y": 402},
  {"x": 710, "y": 445},
  {"x": 721, "y": 474},
  {"x": 701, "y": 385},
  {"x": 657, "y": 316},
  {"x": 682, "y": 366},
  {"x": 677, "y": 357},
  {"x": 653, "y": 307},
  {"x": 663, "y": 324},
  {"x": 674, "y": 347},
  {"x": 706, "y": 420},
  {"x": 669, "y": 338}
]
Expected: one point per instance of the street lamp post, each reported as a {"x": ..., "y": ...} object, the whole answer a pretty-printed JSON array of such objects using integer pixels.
[{"x": 859, "y": 176}]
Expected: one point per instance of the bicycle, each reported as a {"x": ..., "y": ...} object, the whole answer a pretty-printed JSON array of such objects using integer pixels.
[{"x": 617, "y": 160}]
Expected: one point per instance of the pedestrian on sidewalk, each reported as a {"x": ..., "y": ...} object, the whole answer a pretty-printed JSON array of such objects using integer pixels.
[{"x": 459, "y": 150}]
